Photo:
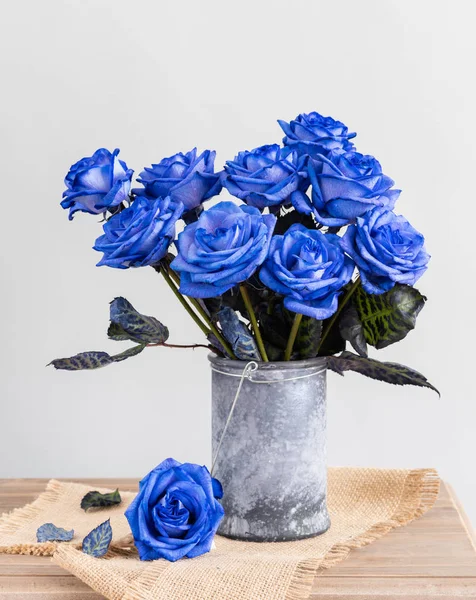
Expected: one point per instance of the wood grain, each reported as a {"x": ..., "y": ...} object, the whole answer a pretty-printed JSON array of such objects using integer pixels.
[{"x": 433, "y": 558}]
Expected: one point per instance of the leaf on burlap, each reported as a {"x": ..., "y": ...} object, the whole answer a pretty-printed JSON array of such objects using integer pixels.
[
  {"x": 125, "y": 320},
  {"x": 386, "y": 318},
  {"x": 83, "y": 360},
  {"x": 94, "y": 360},
  {"x": 383, "y": 371},
  {"x": 97, "y": 542},
  {"x": 50, "y": 533},
  {"x": 242, "y": 342},
  {"x": 95, "y": 499}
]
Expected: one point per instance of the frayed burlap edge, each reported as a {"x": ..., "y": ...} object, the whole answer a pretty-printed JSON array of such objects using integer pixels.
[
  {"x": 10, "y": 522},
  {"x": 419, "y": 494}
]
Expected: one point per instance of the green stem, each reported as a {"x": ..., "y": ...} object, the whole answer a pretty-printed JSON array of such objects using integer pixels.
[
  {"x": 205, "y": 317},
  {"x": 292, "y": 336},
  {"x": 254, "y": 322},
  {"x": 333, "y": 319},
  {"x": 183, "y": 302}
]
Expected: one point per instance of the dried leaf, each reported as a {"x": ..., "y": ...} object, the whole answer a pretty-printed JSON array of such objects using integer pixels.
[
  {"x": 96, "y": 499},
  {"x": 242, "y": 342},
  {"x": 387, "y": 318},
  {"x": 84, "y": 360},
  {"x": 94, "y": 360},
  {"x": 125, "y": 320},
  {"x": 382, "y": 371},
  {"x": 50, "y": 533},
  {"x": 97, "y": 542}
]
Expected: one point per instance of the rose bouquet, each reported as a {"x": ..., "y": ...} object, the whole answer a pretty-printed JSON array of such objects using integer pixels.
[{"x": 310, "y": 259}]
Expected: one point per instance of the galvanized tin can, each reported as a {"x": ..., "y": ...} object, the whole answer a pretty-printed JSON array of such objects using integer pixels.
[{"x": 272, "y": 457}]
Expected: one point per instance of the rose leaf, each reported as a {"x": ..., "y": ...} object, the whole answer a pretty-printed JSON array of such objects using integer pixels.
[
  {"x": 94, "y": 360},
  {"x": 127, "y": 323},
  {"x": 382, "y": 371},
  {"x": 386, "y": 318},
  {"x": 235, "y": 331}
]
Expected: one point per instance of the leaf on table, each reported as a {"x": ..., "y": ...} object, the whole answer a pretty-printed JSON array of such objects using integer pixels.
[
  {"x": 50, "y": 533},
  {"x": 97, "y": 542},
  {"x": 387, "y": 318},
  {"x": 382, "y": 371},
  {"x": 95, "y": 499},
  {"x": 127, "y": 321},
  {"x": 242, "y": 342}
]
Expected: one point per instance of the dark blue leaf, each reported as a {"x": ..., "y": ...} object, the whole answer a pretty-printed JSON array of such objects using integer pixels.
[
  {"x": 243, "y": 343},
  {"x": 126, "y": 321},
  {"x": 128, "y": 353},
  {"x": 116, "y": 332},
  {"x": 94, "y": 360},
  {"x": 96, "y": 499},
  {"x": 97, "y": 542},
  {"x": 50, "y": 533},
  {"x": 84, "y": 360},
  {"x": 382, "y": 371}
]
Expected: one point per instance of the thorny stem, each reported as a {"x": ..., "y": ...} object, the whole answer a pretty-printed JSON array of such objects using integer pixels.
[
  {"x": 178, "y": 345},
  {"x": 333, "y": 319},
  {"x": 292, "y": 336},
  {"x": 254, "y": 322}
]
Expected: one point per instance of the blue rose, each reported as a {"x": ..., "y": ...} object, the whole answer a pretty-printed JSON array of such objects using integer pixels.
[
  {"x": 97, "y": 183},
  {"x": 185, "y": 178},
  {"x": 139, "y": 235},
  {"x": 309, "y": 269},
  {"x": 344, "y": 187},
  {"x": 265, "y": 176},
  {"x": 223, "y": 248},
  {"x": 386, "y": 250},
  {"x": 314, "y": 134},
  {"x": 175, "y": 513}
]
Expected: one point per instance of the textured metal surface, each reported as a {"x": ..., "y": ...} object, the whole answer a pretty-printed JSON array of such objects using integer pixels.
[{"x": 272, "y": 462}]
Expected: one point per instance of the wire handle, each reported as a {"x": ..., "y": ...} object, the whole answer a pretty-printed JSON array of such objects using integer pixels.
[{"x": 246, "y": 373}]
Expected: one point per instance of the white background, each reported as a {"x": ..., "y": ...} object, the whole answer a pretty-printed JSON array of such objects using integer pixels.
[{"x": 156, "y": 77}]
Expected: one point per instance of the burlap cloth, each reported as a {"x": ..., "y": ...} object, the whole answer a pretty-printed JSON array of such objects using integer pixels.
[{"x": 364, "y": 505}]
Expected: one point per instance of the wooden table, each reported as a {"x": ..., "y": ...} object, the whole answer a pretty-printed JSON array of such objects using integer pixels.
[{"x": 432, "y": 558}]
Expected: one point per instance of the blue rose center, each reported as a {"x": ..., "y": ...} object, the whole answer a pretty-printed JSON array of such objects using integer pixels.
[{"x": 175, "y": 514}]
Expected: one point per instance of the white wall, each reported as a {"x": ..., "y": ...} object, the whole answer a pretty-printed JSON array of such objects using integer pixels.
[{"x": 155, "y": 77}]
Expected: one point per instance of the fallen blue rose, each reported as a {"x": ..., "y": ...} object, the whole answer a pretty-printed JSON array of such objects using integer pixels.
[{"x": 176, "y": 513}]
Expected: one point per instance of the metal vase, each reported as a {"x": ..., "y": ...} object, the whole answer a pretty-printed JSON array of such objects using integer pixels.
[{"x": 272, "y": 458}]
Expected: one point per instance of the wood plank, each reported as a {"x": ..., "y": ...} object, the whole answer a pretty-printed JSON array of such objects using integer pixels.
[{"x": 433, "y": 558}]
